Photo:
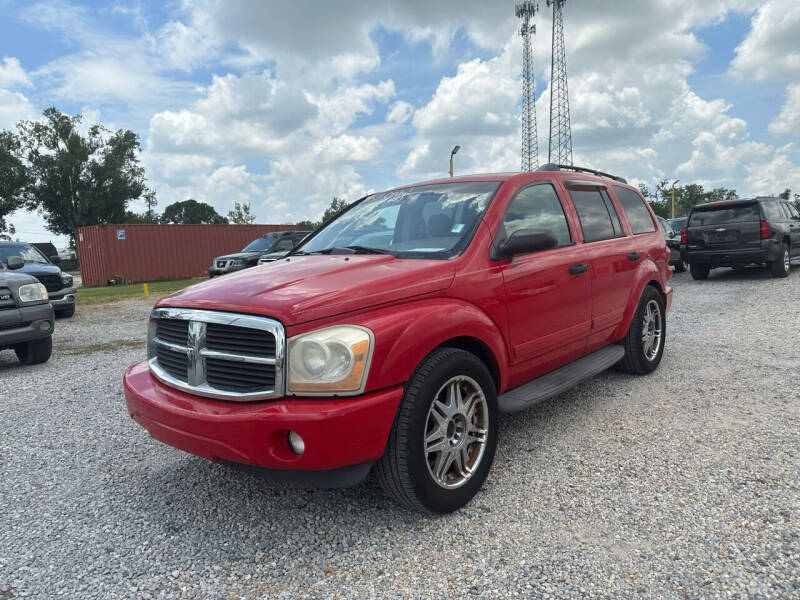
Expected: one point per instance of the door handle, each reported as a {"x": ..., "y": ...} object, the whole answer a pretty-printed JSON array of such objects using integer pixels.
[
  {"x": 633, "y": 256},
  {"x": 578, "y": 268}
]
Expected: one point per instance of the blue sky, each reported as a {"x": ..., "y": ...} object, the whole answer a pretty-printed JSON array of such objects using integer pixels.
[{"x": 285, "y": 105}]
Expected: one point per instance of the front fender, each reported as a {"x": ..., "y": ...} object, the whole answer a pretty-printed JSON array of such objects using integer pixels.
[{"x": 405, "y": 334}]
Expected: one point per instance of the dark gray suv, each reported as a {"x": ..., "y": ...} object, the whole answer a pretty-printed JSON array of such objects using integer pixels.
[
  {"x": 761, "y": 230},
  {"x": 26, "y": 317}
]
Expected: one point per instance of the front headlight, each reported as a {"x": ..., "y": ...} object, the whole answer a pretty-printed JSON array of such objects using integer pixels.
[
  {"x": 334, "y": 360},
  {"x": 66, "y": 279},
  {"x": 237, "y": 262},
  {"x": 32, "y": 292}
]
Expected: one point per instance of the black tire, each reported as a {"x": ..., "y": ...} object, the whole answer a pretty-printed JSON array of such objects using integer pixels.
[
  {"x": 780, "y": 266},
  {"x": 680, "y": 267},
  {"x": 403, "y": 471},
  {"x": 699, "y": 272},
  {"x": 35, "y": 352},
  {"x": 66, "y": 312},
  {"x": 635, "y": 360}
]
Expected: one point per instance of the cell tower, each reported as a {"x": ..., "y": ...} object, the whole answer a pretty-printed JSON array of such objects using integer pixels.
[
  {"x": 560, "y": 150},
  {"x": 530, "y": 141}
]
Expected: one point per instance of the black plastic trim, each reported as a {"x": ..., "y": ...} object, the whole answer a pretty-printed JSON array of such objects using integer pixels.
[{"x": 327, "y": 479}]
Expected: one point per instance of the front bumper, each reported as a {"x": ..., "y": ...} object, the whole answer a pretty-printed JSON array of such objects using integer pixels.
[
  {"x": 63, "y": 297},
  {"x": 25, "y": 324},
  {"x": 344, "y": 435}
]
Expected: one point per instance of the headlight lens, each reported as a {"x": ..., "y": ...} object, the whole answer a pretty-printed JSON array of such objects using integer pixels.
[
  {"x": 334, "y": 360},
  {"x": 66, "y": 279},
  {"x": 32, "y": 292}
]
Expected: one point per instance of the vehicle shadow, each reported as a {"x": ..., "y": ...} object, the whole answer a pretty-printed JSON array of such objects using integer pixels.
[{"x": 743, "y": 274}]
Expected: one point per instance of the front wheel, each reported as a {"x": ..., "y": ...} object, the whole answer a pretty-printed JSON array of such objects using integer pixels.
[
  {"x": 644, "y": 343},
  {"x": 444, "y": 435},
  {"x": 780, "y": 266},
  {"x": 35, "y": 352},
  {"x": 66, "y": 312}
]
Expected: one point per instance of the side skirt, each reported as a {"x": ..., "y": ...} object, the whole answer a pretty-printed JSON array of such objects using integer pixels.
[{"x": 558, "y": 381}]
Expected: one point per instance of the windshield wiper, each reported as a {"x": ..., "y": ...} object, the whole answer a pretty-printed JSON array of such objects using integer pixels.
[{"x": 369, "y": 250}]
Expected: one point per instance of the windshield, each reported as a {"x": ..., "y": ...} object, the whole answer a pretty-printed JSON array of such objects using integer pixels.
[
  {"x": 432, "y": 221},
  {"x": 262, "y": 244},
  {"x": 27, "y": 253},
  {"x": 738, "y": 213}
]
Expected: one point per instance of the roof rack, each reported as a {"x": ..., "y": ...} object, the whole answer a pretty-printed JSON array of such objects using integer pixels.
[{"x": 555, "y": 167}]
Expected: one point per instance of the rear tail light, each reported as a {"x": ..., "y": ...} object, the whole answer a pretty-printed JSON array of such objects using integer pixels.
[
  {"x": 766, "y": 232},
  {"x": 683, "y": 235}
]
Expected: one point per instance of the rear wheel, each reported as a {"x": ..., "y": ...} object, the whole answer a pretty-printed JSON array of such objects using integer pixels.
[
  {"x": 444, "y": 435},
  {"x": 780, "y": 266},
  {"x": 699, "y": 271},
  {"x": 644, "y": 344},
  {"x": 35, "y": 352},
  {"x": 680, "y": 267}
]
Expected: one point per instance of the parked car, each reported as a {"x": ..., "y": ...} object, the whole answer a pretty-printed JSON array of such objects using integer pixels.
[
  {"x": 26, "y": 317},
  {"x": 762, "y": 230},
  {"x": 60, "y": 286},
  {"x": 487, "y": 293},
  {"x": 673, "y": 240},
  {"x": 274, "y": 245},
  {"x": 677, "y": 223}
]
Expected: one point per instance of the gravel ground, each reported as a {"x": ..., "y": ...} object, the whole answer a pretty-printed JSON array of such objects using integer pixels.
[{"x": 681, "y": 484}]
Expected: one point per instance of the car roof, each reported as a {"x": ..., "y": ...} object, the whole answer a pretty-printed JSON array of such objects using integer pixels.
[{"x": 736, "y": 202}]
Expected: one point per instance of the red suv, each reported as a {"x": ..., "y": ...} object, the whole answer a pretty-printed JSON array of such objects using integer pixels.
[{"x": 393, "y": 336}]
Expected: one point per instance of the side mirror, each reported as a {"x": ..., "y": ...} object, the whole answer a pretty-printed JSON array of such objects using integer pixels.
[
  {"x": 15, "y": 262},
  {"x": 524, "y": 241},
  {"x": 671, "y": 234},
  {"x": 55, "y": 259}
]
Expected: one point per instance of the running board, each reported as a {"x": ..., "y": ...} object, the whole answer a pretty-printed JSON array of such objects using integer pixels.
[{"x": 560, "y": 380}]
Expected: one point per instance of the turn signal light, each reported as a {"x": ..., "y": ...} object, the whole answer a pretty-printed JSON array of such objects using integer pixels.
[
  {"x": 683, "y": 235},
  {"x": 765, "y": 230}
]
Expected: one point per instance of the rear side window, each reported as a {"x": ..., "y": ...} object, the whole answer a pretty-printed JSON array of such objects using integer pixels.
[
  {"x": 598, "y": 217},
  {"x": 737, "y": 213},
  {"x": 792, "y": 210},
  {"x": 633, "y": 205},
  {"x": 772, "y": 211},
  {"x": 538, "y": 207}
]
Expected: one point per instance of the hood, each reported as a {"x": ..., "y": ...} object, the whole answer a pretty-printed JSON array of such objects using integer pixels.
[
  {"x": 10, "y": 278},
  {"x": 305, "y": 288},
  {"x": 38, "y": 269},
  {"x": 244, "y": 255}
]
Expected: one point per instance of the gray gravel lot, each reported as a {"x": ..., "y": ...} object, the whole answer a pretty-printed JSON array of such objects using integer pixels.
[{"x": 681, "y": 484}]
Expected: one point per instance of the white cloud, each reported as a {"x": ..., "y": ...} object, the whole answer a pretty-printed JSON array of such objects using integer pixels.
[
  {"x": 771, "y": 49},
  {"x": 12, "y": 74},
  {"x": 400, "y": 112},
  {"x": 14, "y": 107},
  {"x": 788, "y": 120},
  {"x": 347, "y": 148}
]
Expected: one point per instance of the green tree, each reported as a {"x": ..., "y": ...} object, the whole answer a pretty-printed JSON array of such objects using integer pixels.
[
  {"x": 307, "y": 225},
  {"x": 785, "y": 194},
  {"x": 13, "y": 179},
  {"x": 76, "y": 180},
  {"x": 659, "y": 206},
  {"x": 241, "y": 215},
  {"x": 192, "y": 212},
  {"x": 336, "y": 207},
  {"x": 149, "y": 215}
]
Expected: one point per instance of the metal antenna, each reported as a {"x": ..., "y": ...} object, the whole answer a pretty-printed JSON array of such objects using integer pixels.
[
  {"x": 530, "y": 142},
  {"x": 560, "y": 150}
]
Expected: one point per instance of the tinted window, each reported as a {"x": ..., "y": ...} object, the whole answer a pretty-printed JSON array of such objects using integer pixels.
[
  {"x": 283, "y": 245},
  {"x": 772, "y": 211},
  {"x": 792, "y": 210},
  {"x": 261, "y": 244},
  {"x": 537, "y": 207},
  {"x": 612, "y": 212},
  {"x": 633, "y": 205},
  {"x": 27, "y": 253},
  {"x": 737, "y": 213},
  {"x": 594, "y": 215}
]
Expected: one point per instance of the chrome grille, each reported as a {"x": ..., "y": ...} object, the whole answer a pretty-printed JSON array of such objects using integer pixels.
[
  {"x": 52, "y": 283},
  {"x": 216, "y": 354}
]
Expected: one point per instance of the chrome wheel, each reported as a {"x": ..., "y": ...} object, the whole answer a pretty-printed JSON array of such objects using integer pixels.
[
  {"x": 652, "y": 328},
  {"x": 456, "y": 432},
  {"x": 786, "y": 261}
]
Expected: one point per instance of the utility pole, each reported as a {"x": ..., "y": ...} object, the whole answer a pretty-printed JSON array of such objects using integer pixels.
[
  {"x": 560, "y": 149},
  {"x": 672, "y": 203},
  {"x": 530, "y": 137}
]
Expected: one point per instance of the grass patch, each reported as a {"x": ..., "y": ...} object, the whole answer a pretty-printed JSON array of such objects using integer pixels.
[{"x": 113, "y": 293}]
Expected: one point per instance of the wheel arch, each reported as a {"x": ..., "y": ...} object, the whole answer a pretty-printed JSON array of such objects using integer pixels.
[{"x": 478, "y": 348}]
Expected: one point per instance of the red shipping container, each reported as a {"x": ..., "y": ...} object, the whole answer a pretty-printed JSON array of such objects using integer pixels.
[{"x": 139, "y": 253}]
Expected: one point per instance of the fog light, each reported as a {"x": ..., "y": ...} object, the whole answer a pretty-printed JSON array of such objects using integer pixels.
[
  {"x": 45, "y": 326},
  {"x": 296, "y": 443}
]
